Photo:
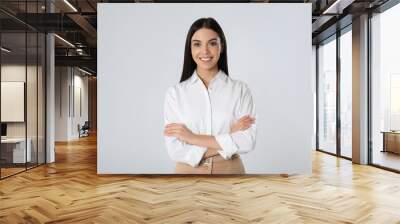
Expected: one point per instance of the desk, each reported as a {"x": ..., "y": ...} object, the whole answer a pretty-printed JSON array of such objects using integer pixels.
[
  {"x": 13, "y": 150},
  {"x": 391, "y": 141}
]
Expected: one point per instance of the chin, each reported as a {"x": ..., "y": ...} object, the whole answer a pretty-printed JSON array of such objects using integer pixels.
[{"x": 206, "y": 66}]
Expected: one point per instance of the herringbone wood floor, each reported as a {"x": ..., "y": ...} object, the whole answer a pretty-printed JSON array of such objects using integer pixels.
[{"x": 70, "y": 191}]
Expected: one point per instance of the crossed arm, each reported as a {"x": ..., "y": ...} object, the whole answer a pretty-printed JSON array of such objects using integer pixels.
[{"x": 184, "y": 134}]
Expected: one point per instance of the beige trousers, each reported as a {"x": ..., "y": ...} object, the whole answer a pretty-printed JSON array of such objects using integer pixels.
[{"x": 213, "y": 165}]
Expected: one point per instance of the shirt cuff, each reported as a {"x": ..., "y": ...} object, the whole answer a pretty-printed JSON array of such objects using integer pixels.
[
  {"x": 194, "y": 155},
  {"x": 228, "y": 146}
]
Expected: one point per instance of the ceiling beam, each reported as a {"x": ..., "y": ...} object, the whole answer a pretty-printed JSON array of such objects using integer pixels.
[
  {"x": 85, "y": 25},
  {"x": 84, "y": 61}
]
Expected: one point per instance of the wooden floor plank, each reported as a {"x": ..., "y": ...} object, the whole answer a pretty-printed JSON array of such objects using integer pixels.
[{"x": 70, "y": 191}]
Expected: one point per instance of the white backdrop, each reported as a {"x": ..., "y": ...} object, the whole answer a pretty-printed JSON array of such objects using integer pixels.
[{"x": 140, "y": 54}]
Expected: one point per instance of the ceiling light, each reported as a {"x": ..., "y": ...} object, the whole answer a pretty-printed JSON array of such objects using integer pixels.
[
  {"x": 5, "y": 50},
  {"x": 338, "y": 6},
  {"x": 65, "y": 41},
  {"x": 84, "y": 71},
  {"x": 70, "y": 5},
  {"x": 331, "y": 7}
]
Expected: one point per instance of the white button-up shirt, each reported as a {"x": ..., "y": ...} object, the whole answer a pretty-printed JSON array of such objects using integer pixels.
[{"x": 209, "y": 111}]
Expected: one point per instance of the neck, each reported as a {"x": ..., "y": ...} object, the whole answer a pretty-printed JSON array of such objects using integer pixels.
[{"x": 206, "y": 75}]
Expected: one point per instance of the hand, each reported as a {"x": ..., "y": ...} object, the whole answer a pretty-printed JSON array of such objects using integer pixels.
[
  {"x": 179, "y": 131},
  {"x": 242, "y": 124},
  {"x": 210, "y": 153}
]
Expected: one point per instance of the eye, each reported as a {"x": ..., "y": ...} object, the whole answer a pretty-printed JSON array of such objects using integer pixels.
[
  {"x": 213, "y": 43},
  {"x": 196, "y": 44}
]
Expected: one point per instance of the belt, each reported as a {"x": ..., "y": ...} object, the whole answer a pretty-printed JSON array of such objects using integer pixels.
[{"x": 217, "y": 158}]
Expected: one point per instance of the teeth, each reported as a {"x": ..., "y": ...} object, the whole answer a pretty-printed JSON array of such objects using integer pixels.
[{"x": 205, "y": 59}]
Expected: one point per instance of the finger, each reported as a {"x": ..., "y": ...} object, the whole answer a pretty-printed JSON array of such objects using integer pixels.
[
  {"x": 245, "y": 121},
  {"x": 174, "y": 124},
  {"x": 244, "y": 117},
  {"x": 178, "y": 126},
  {"x": 171, "y": 134},
  {"x": 172, "y": 130},
  {"x": 175, "y": 127},
  {"x": 250, "y": 119},
  {"x": 170, "y": 125},
  {"x": 249, "y": 122},
  {"x": 168, "y": 133},
  {"x": 241, "y": 119},
  {"x": 176, "y": 130},
  {"x": 168, "y": 129}
]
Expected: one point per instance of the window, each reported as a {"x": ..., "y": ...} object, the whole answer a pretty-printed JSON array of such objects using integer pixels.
[
  {"x": 327, "y": 96},
  {"x": 385, "y": 88},
  {"x": 346, "y": 93}
]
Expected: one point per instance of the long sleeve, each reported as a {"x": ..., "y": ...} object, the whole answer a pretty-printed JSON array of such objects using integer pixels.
[
  {"x": 179, "y": 151},
  {"x": 240, "y": 141}
]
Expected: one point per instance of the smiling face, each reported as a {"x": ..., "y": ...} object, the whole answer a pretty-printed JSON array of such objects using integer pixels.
[{"x": 206, "y": 49}]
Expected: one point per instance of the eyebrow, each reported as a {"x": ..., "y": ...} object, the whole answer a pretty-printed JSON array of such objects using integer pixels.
[{"x": 207, "y": 41}]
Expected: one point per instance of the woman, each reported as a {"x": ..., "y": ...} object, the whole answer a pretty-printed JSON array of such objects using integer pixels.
[{"x": 209, "y": 117}]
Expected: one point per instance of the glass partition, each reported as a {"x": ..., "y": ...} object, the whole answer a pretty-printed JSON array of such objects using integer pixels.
[
  {"x": 327, "y": 96},
  {"x": 22, "y": 77},
  {"x": 13, "y": 105}
]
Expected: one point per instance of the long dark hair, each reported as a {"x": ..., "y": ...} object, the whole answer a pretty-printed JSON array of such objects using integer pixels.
[{"x": 189, "y": 65}]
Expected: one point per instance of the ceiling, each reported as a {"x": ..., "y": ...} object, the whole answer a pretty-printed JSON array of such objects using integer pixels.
[{"x": 76, "y": 22}]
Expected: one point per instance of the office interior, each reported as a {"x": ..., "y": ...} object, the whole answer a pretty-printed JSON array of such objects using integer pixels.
[{"x": 48, "y": 81}]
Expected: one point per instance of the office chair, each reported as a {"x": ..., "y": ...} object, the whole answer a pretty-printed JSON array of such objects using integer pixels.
[{"x": 84, "y": 130}]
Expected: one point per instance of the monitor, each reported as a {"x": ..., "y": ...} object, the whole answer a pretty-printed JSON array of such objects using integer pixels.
[{"x": 3, "y": 129}]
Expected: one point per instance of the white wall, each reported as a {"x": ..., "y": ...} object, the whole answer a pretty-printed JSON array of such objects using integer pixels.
[
  {"x": 269, "y": 47},
  {"x": 61, "y": 103},
  {"x": 68, "y": 81}
]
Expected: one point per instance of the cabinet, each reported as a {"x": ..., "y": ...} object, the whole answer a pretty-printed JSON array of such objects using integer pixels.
[{"x": 391, "y": 142}]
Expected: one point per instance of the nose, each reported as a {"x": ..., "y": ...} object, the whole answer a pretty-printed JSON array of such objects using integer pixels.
[{"x": 204, "y": 49}]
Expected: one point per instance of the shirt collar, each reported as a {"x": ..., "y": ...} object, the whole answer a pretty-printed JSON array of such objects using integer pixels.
[{"x": 220, "y": 76}]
